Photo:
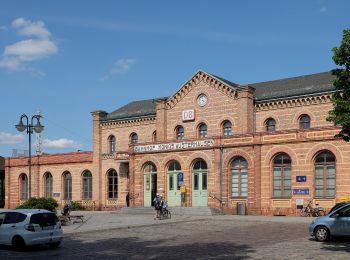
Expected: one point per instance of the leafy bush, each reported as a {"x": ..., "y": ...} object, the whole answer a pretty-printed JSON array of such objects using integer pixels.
[
  {"x": 40, "y": 203},
  {"x": 76, "y": 205}
]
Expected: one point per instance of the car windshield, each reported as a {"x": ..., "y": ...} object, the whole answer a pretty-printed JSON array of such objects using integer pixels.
[
  {"x": 337, "y": 206},
  {"x": 44, "y": 219}
]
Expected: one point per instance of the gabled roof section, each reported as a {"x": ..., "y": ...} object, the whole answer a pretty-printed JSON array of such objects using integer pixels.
[
  {"x": 141, "y": 108},
  {"x": 226, "y": 87},
  {"x": 292, "y": 87}
]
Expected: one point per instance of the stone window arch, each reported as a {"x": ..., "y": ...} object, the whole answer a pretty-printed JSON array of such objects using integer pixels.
[
  {"x": 67, "y": 186},
  {"x": 304, "y": 121},
  {"x": 111, "y": 144},
  {"x": 180, "y": 132},
  {"x": 134, "y": 138},
  {"x": 202, "y": 130},
  {"x": 226, "y": 128}
]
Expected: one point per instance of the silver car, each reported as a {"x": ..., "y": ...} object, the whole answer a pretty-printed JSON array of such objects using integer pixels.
[
  {"x": 22, "y": 227},
  {"x": 335, "y": 223}
]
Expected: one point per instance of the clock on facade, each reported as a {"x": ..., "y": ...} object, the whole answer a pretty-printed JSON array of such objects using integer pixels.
[{"x": 202, "y": 100}]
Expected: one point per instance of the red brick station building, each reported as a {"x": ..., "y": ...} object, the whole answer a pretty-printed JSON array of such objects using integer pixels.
[{"x": 212, "y": 143}]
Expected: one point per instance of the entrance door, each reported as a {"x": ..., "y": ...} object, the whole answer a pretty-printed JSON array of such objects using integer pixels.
[
  {"x": 200, "y": 184},
  {"x": 174, "y": 194},
  {"x": 150, "y": 189}
]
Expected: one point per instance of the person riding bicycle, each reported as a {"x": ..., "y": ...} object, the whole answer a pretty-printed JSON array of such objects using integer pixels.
[{"x": 158, "y": 204}]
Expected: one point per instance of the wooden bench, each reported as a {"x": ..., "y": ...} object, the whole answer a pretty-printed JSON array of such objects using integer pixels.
[{"x": 67, "y": 219}]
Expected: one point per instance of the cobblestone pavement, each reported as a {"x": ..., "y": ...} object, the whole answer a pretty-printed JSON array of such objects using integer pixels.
[{"x": 219, "y": 237}]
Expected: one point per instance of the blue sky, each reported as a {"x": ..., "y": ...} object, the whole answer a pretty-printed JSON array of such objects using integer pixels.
[{"x": 69, "y": 58}]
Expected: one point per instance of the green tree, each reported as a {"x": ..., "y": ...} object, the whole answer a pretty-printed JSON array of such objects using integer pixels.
[{"x": 340, "y": 115}]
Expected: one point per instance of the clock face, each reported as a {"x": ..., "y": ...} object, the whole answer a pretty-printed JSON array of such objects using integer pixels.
[{"x": 202, "y": 100}]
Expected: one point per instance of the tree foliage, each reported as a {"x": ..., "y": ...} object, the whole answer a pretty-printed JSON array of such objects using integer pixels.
[{"x": 340, "y": 115}]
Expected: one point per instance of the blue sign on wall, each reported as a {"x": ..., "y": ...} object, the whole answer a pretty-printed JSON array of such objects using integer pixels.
[
  {"x": 180, "y": 178},
  {"x": 301, "y": 191},
  {"x": 301, "y": 178}
]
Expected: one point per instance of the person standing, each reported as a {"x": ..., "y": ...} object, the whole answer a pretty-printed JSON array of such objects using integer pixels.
[{"x": 157, "y": 202}]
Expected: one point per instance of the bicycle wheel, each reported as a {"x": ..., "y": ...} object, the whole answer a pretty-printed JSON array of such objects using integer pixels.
[
  {"x": 321, "y": 212},
  {"x": 169, "y": 214}
]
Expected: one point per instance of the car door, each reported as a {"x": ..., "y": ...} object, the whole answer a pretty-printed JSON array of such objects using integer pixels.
[
  {"x": 341, "y": 224},
  {"x": 8, "y": 227}
]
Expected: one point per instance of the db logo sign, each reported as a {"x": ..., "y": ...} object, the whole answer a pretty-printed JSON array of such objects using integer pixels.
[{"x": 188, "y": 115}]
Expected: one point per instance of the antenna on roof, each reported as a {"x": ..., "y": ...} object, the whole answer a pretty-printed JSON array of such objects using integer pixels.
[{"x": 38, "y": 142}]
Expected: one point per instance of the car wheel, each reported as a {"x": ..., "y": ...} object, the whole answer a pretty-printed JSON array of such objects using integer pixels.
[
  {"x": 55, "y": 244},
  {"x": 18, "y": 243},
  {"x": 322, "y": 234}
]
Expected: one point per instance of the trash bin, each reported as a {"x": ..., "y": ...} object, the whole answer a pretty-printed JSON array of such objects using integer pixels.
[{"x": 240, "y": 208}]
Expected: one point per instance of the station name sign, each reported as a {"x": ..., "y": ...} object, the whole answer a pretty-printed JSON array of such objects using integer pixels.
[{"x": 173, "y": 146}]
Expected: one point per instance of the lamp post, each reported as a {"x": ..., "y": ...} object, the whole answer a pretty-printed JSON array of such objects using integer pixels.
[{"x": 38, "y": 128}]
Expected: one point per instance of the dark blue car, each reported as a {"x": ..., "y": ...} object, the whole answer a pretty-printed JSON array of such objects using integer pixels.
[{"x": 335, "y": 223}]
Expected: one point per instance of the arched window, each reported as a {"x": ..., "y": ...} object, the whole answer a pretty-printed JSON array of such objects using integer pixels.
[
  {"x": 239, "y": 172},
  {"x": 282, "y": 176},
  {"x": 200, "y": 165},
  {"x": 150, "y": 168},
  {"x": 304, "y": 122},
  {"x": 134, "y": 138},
  {"x": 227, "y": 128},
  {"x": 325, "y": 175},
  {"x": 67, "y": 186},
  {"x": 180, "y": 133},
  {"x": 154, "y": 136},
  {"x": 270, "y": 125},
  {"x": 48, "y": 182},
  {"x": 23, "y": 182},
  {"x": 202, "y": 130},
  {"x": 173, "y": 169},
  {"x": 112, "y": 184},
  {"x": 111, "y": 144},
  {"x": 87, "y": 185}
]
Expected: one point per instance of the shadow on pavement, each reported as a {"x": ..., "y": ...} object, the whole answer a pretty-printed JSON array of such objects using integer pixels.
[
  {"x": 132, "y": 248},
  {"x": 339, "y": 244}
]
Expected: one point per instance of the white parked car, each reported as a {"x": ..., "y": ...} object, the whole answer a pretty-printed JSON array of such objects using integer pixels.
[{"x": 23, "y": 227}]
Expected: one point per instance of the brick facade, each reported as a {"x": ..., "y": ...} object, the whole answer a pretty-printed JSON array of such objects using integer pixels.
[{"x": 157, "y": 137}]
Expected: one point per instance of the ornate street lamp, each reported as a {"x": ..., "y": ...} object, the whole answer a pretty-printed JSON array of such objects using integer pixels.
[{"x": 38, "y": 128}]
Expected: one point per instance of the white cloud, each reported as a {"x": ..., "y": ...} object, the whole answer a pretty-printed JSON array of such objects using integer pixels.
[
  {"x": 28, "y": 50},
  {"x": 61, "y": 143},
  {"x": 119, "y": 67},
  {"x": 17, "y": 55},
  {"x": 7, "y": 138},
  {"x": 29, "y": 28}
]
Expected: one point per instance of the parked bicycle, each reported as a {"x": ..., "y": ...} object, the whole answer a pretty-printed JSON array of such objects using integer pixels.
[
  {"x": 165, "y": 212},
  {"x": 310, "y": 211}
]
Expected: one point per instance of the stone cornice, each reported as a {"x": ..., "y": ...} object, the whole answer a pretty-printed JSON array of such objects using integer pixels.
[
  {"x": 129, "y": 122},
  {"x": 198, "y": 77},
  {"x": 295, "y": 102}
]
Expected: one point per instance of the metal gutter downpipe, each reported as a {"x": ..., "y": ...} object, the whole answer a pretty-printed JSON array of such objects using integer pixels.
[{"x": 221, "y": 161}]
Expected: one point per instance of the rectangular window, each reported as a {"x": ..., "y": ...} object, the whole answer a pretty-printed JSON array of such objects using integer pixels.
[
  {"x": 195, "y": 182},
  {"x": 319, "y": 181},
  {"x": 277, "y": 182},
  {"x": 171, "y": 182},
  {"x": 244, "y": 183},
  {"x": 204, "y": 181},
  {"x": 235, "y": 187}
]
